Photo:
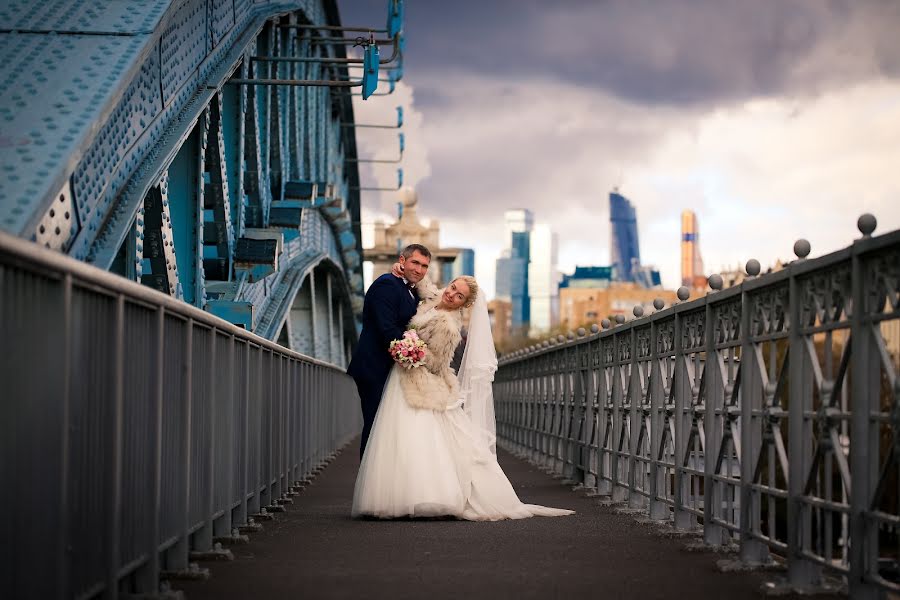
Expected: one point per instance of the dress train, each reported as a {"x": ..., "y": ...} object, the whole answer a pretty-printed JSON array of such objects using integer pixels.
[{"x": 426, "y": 463}]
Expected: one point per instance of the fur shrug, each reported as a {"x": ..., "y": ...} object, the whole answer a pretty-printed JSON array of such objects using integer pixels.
[{"x": 433, "y": 385}]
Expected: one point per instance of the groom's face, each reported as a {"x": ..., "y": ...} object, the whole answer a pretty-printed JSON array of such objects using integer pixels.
[{"x": 415, "y": 267}]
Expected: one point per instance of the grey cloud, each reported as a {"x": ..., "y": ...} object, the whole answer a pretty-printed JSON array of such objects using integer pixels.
[{"x": 673, "y": 52}]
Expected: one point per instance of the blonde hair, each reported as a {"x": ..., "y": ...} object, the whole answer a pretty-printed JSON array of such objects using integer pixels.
[{"x": 473, "y": 288}]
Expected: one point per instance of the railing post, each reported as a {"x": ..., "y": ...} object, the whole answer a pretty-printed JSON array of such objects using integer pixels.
[
  {"x": 658, "y": 508},
  {"x": 606, "y": 465},
  {"x": 589, "y": 419},
  {"x": 633, "y": 392},
  {"x": 802, "y": 573},
  {"x": 864, "y": 451},
  {"x": 683, "y": 395},
  {"x": 752, "y": 550},
  {"x": 713, "y": 533}
]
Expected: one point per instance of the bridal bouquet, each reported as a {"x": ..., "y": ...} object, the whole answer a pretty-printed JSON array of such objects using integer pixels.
[{"x": 409, "y": 351}]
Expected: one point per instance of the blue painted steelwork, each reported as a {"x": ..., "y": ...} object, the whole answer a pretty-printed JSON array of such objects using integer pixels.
[
  {"x": 395, "y": 17},
  {"x": 370, "y": 70},
  {"x": 125, "y": 148}
]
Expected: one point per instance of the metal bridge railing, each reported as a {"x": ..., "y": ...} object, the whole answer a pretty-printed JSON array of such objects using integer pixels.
[
  {"x": 138, "y": 431},
  {"x": 766, "y": 414}
]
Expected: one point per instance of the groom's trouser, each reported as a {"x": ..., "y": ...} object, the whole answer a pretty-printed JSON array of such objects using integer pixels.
[{"x": 369, "y": 399}]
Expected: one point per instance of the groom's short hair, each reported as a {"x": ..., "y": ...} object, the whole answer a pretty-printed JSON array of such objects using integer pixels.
[{"x": 408, "y": 251}]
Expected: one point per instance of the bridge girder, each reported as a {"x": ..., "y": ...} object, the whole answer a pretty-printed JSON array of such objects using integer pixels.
[{"x": 139, "y": 157}]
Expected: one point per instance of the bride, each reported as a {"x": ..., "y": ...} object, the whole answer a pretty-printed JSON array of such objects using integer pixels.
[{"x": 432, "y": 450}]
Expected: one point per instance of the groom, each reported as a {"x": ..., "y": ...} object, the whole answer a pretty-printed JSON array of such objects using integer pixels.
[{"x": 390, "y": 303}]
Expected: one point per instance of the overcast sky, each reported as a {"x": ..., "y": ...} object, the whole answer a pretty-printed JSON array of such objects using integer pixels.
[{"x": 772, "y": 119}]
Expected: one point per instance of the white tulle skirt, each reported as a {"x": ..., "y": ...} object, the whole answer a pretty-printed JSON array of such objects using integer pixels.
[{"x": 425, "y": 463}]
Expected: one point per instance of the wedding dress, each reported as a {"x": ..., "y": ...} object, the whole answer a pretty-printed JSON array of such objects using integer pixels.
[{"x": 428, "y": 462}]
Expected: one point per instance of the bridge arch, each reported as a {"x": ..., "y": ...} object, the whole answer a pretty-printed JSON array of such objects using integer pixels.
[{"x": 169, "y": 173}]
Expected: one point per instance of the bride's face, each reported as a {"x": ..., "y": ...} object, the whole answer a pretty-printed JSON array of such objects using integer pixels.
[{"x": 456, "y": 294}]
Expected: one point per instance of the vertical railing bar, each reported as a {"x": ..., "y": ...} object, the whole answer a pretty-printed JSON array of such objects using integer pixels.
[
  {"x": 210, "y": 458},
  {"x": 150, "y": 581},
  {"x": 115, "y": 492},
  {"x": 63, "y": 542},
  {"x": 187, "y": 416}
]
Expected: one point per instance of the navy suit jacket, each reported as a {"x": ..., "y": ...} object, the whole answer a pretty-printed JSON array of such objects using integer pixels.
[{"x": 387, "y": 310}]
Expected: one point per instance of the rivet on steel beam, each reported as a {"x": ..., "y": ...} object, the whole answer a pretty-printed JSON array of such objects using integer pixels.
[
  {"x": 866, "y": 224},
  {"x": 638, "y": 311},
  {"x": 658, "y": 304},
  {"x": 683, "y": 293},
  {"x": 752, "y": 267},
  {"x": 715, "y": 281},
  {"x": 801, "y": 248}
]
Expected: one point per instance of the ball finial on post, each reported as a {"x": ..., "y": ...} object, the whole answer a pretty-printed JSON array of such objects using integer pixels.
[
  {"x": 802, "y": 248},
  {"x": 753, "y": 267},
  {"x": 638, "y": 311},
  {"x": 866, "y": 224},
  {"x": 620, "y": 319},
  {"x": 683, "y": 293},
  {"x": 605, "y": 324},
  {"x": 715, "y": 281},
  {"x": 581, "y": 332},
  {"x": 595, "y": 328},
  {"x": 658, "y": 304}
]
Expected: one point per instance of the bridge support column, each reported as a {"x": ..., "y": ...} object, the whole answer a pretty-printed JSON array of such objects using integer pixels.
[
  {"x": 341, "y": 345},
  {"x": 301, "y": 326}
]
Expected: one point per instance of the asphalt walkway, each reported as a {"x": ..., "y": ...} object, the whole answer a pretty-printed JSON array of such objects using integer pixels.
[{"x": 315, "y": 550}]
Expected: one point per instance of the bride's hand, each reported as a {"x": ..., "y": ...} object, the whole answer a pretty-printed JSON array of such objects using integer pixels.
[{"x": 397, "y": 270}]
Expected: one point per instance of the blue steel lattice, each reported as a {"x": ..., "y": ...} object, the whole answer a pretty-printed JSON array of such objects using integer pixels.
[
  {"x": 140, "y": 104},
  {"x": 52, "y": 90},
  {"x": 94, "y": 16},
  {"x": 221, "y": 15},
  {"x": 183, "y": 46}
]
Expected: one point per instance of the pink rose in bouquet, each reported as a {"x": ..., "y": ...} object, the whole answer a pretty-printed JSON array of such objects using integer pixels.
[{"x": 409, "y": 351}]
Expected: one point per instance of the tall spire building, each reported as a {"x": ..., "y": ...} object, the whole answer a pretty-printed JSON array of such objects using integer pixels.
[
  {"x": 624, "y": 251},
  {"x": 691, "y": 261}
]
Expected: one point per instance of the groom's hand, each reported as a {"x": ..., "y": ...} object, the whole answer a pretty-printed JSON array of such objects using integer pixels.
[{"x": 397, "y": 270}]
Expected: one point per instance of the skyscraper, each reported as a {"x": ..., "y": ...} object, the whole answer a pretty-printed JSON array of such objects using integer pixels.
[
  {"x": 512, "y": 267},
  {"x": 624, "y": 251},
  {"x": 691, "y": 261},
  {"x": 543, "y": 279},
  {"x": 517, "y": 221}
]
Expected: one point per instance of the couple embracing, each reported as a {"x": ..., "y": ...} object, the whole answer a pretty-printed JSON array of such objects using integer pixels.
[{"x": 428, "y": 442}]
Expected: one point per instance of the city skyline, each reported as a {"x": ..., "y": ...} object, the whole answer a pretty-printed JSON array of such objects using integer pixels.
[{"x": 766, "y": 142}]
